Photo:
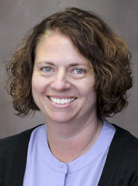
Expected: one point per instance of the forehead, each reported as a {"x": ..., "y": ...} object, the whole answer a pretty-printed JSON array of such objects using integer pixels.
[
  {"x": 55, "y": 46},
  {"x": 51, "y": 38}
]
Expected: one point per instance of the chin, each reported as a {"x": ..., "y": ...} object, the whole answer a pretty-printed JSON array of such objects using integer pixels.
[{"x": 60, "y": 118}]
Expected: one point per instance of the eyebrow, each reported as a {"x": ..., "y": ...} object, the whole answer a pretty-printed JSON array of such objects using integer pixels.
[
  {"x": 46, "y": 62},
  {"x": 51, "y": 63}
]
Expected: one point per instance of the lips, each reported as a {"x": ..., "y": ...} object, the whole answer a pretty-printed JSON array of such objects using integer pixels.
[{"x": 61, "y": 101}]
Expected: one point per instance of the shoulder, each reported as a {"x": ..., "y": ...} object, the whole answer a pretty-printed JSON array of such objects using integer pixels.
[
  {"x": 124, "y": 155},
  {"x": 123, "y": 150},
  {"x": 124, "y": 147},
  {"x": 9, "y": 145},
  {"x": 121, "y": 167},
  {"x": 11, "y": 141},
  {"x": 126, "y": 140},
  {"x": 13, "y": 153}
]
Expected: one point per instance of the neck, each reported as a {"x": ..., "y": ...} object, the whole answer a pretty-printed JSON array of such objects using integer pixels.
[{"x": 67, "y": 141}]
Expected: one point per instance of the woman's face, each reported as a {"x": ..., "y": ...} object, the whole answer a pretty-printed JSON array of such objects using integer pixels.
[{"x": 63, "y": 81}]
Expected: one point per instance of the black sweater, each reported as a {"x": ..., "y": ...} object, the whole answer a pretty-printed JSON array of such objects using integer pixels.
[{"x": 121, "y": 167}]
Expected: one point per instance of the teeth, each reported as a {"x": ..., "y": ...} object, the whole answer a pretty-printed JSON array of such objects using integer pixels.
[{"x": 62, "y": 101}]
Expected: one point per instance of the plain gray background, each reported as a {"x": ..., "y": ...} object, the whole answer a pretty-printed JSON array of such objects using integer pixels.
[{"x": 18, "y": 16}]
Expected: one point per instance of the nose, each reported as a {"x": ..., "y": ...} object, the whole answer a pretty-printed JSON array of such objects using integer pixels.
[{"x": 61, "y": 82}]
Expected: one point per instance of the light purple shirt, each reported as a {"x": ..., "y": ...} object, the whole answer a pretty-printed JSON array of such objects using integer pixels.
[{"x": 43, "y": 169}]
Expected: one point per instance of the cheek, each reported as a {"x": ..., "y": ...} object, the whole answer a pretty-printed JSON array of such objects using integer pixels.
[
  {"x": 37, "y": 90},
  {"x": 38, "y": 82},
  {"x": 37, "y": 85},
  {"x": 88, "y": 87},
  {"x": 90, "y": 93}
]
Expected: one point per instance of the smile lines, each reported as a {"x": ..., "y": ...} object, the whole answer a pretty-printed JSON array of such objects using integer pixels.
[{"x": 61, "y": 101}]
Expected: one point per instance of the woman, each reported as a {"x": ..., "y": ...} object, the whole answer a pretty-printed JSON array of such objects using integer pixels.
[{"x": 75, "y": 70}]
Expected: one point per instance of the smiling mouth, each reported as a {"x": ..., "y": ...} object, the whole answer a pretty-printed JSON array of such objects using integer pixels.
[{"x": 61, "y": 101}]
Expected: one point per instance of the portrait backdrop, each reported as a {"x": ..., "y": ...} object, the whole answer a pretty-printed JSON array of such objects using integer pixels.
[{"x": 18, "y": 16}]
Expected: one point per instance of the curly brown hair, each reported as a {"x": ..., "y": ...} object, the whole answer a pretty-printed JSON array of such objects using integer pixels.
[{"x": 107, "y": 52}]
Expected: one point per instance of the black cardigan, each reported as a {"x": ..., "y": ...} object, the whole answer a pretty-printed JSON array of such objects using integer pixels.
[{"x": 121, "y": 167}]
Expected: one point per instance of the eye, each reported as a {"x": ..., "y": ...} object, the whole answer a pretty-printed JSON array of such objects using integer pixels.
[
  {"x": 79, "y": 71},
  {"x": 46, "y": 69}
]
